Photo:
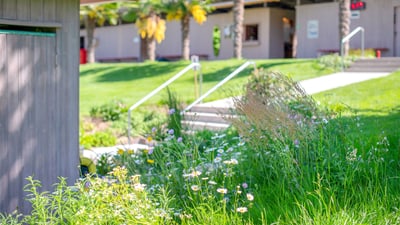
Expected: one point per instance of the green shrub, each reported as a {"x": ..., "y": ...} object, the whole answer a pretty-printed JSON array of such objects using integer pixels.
[
  {"x": 97, "y": 139},
  {"x": 334, "y": 61},
  {"x": 142, "y": 121},
  {"x": 216, "y": 40},
  {"x": 368, "y": 53},
  {"x": 111, "y": 111}
]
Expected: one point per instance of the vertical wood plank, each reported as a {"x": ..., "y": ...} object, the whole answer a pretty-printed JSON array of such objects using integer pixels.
[
  {"x": 1, "y": 8},
  {"x": 37, "y": 10},
  {"x": 49, "y": 10},
  {"x": 74, "y": 83},
  {"x": 26, "y": 107},
  {"x": 23, "y": 9},
  {"x": 68, "y": 86},
  {"x": 22, "y": 109},
  {"x": 52, "y": 120},
  {"x": 3, "y": 123},
  {"x": 9, "y": 9},
  {"x": 40, "y": 111},
  {"x": 57, "y": 98},
  {"x": 14, "y": 122}
]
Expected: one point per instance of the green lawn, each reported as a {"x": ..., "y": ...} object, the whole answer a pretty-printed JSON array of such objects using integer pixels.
[
  {"x": 375, "y": 104},
  {"x": 129, "y": 82}
]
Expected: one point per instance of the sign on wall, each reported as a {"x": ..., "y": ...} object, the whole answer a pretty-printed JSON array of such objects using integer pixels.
[
  {"x": 355, "y": 15},
  {"x": 312, "y": 29}
]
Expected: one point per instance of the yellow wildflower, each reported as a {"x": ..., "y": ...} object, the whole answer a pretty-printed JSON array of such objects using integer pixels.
[
  {"x": 120, "y": 151},
  {"x": 130, "y": 151}
]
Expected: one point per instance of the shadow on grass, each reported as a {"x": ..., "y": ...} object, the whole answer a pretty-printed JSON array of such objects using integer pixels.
[
  {"x": 218, "y": 75},
  {"x": 130, "y": 72},
  {"x": 371, "y": 126},
  {"x": 94, "y": 71}
]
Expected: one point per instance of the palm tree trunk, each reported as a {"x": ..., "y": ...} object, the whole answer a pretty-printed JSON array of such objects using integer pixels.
[
  {"x": 90, "y": 25},
  {"x": 344, "y": 23},
  {"x": 151, "y": 49},
  {"x": 238, "y": 14},
  {"x": 143, "y": 50},
  {"x": 185, "y": 26}
]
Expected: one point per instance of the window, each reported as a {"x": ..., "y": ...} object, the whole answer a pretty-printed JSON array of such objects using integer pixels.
[{"x": 251, "y": 32}]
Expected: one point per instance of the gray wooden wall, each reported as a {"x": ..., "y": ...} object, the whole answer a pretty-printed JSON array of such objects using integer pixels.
[{"x": 39, "y": 95}]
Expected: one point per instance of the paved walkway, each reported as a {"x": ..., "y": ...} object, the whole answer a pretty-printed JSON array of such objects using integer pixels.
[
  {"x": 336, "y": 80},
  {"x": 316, "y": 85}
]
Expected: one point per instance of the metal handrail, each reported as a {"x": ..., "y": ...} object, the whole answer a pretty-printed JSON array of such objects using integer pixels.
[
  {"x": 155, "y": 91},
  {"x": 222, "y": 82},
  {"x": 347, "y": 38}
]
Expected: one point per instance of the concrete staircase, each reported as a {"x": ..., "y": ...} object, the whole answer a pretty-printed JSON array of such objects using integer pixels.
[
  {"x": 211, "y": 116},
  {"x": 385, "y": 64}
]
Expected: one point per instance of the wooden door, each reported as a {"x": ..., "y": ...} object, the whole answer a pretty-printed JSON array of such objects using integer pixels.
[{"x": 27, "y": 95}]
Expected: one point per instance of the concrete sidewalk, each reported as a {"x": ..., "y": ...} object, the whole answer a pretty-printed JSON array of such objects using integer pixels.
[
  {"x": 316, "y": 85},
  {"x": 337, "y": 80}
]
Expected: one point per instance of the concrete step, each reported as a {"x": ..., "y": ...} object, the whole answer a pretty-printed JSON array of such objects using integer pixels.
[
  {"x": 222, "y": 109},
  {"x": 206, "y": 117},
  {"x": 210, "y": 116},
  {"x": 387, "y": 64},
  {"x": 198, "y": 125},
  {"x": 371, "y": 69}
]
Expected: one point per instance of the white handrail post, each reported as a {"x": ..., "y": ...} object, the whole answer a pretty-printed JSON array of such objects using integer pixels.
[
  {"x": 362, "y": 42},
  {"x": 226, "y": 79},
  {"x": 347, "y": 38},
  {"x": 155, "y": 91}
]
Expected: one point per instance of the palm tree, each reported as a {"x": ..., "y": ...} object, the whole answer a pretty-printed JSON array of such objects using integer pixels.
[
  {"x": 344, "y": 23},
  {"x": 97, "y": 15},
  {"x": 182, "y": 10},
  {"x": 149, "y": 23},
  {"x": 238, "y": 16}
]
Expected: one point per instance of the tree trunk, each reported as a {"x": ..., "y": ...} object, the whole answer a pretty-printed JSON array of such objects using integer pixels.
[
  {"x": 90, "y": 25},
  {"x": 238, "y": 15},
  {"x": 151, "y": 48},
  {"x": 143, "y": 50},
  {"x": 344, "y": 23},
  {"x": 185, "y": 26}
]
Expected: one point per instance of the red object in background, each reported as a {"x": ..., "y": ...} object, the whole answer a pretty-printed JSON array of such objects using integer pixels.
[
  {"x": 378, "y": 53},
  {"x": 82, "y": 56},
  {"x": 358, "y": 5}
]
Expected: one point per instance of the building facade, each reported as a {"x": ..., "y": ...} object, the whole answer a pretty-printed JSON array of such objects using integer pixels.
[
  {"x": 123, "y": 41},
  {"x": 317, "y": 27},
  {"x": 315, "y": 30}
]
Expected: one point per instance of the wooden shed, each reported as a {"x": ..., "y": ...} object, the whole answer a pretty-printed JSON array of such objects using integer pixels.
[{"x": 39, "y": 96}]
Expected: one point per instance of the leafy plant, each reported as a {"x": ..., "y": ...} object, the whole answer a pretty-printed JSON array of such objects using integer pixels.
[
  {"x": 216, "y": 40},
  {"x": 111, "y": 111},
  {"x": 174, "y": 122},
  {"x": 117, "y": 199},
  {"x": 334, "y": 61},
  {"x": 100, "y": 138}
]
